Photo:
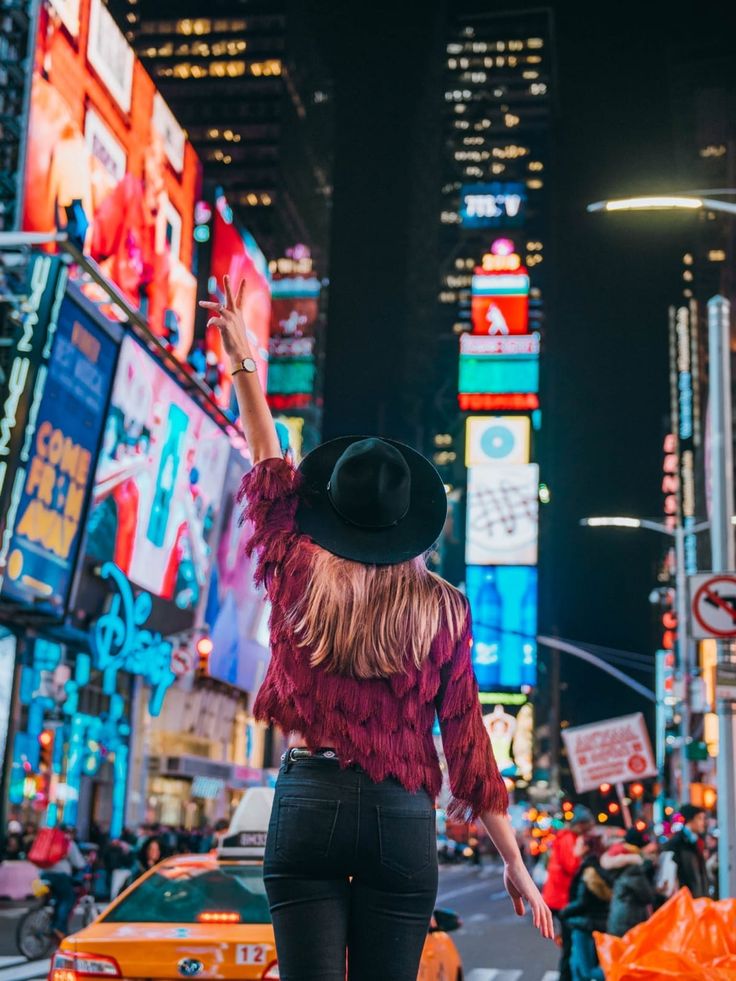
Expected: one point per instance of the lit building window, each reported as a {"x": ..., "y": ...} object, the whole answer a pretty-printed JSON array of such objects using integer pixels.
[
  {"x": 534, "y": 184},
  {"x": 538, "y": 88},
  {"x": 533, "y": 60},
  {"x": 534, "y": 259},
  {"x": 535, "y": 43},
  {"x": 687, "y": 259},
  {"x": 198, "y": 26},
  {"x": 498, "y": 168},
  {"x": 687, "y": 276},
  {"x": 712, "y": 150},
  {"x": 131, "y": 17},
  {"x": 535, "y": 165},
  {"x": 451, "y": 63},
  {"x": 534, "y": 246},
  {"x": 716, "y": 255},
  {"x": 511, "y": 120},
  {"x": 454, "y": 48},
  {"x": 530, "y": 75}
]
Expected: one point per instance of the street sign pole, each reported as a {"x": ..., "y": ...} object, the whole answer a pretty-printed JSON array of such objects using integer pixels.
[{"x": 722, "y": 546}]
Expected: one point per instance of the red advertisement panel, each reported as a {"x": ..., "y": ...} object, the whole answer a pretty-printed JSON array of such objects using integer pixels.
[
  {"x": 100, "y": 134},
  {"x": 235, "y": 253},
  {"x": 499, "y": 315}
]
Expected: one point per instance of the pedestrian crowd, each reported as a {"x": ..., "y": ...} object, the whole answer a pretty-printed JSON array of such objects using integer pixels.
[
  {"x": 112, "y": 862},
  {"x": 613, "y": 881}
]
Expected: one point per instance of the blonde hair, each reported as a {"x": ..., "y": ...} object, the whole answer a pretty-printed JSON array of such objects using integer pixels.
[{"x": 370, "y": 621}]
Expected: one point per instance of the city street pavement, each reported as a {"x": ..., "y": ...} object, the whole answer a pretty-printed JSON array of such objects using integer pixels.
[{"x": 494, "y": 943}]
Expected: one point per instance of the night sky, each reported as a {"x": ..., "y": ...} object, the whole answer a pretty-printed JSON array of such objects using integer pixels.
[{"x": 605, "y": 364}]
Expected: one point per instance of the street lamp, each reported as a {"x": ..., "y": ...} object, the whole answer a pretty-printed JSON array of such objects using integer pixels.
[
  {"x": 679, "y": 533},
  {"x": 687, "y": 201},
  {"x": 722, "y": 484}
]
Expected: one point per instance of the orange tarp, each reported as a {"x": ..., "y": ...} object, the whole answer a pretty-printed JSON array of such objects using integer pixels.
[{"x": 685, "y": 940}]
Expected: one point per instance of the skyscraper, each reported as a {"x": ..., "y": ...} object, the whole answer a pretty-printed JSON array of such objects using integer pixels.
[
  {"x": 249, "y": 88},
  {"x": 494, "y": 226}
]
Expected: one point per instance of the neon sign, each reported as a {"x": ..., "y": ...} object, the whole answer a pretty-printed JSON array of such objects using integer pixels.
[
  {"x": 492, "y": 205},
  {"x": 120, "y": 643}
]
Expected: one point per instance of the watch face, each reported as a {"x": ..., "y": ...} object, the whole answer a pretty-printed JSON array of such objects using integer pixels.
[{"x": 249, "y": 364}]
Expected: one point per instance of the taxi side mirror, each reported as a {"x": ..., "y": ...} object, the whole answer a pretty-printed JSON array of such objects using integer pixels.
[{"x": 445, "y": 921}]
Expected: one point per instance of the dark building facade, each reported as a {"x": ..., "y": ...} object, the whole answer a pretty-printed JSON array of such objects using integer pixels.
[{"x": 245, "y": 82}]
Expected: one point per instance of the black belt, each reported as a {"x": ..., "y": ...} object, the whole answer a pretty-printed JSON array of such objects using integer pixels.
[{"x": 302, "y": 753}]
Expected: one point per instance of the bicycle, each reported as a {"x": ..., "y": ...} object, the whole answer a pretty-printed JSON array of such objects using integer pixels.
[{"x": 34, "y": 937}]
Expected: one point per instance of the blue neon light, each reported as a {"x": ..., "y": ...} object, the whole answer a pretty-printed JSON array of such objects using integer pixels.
[{"x": 503, "y": 602}]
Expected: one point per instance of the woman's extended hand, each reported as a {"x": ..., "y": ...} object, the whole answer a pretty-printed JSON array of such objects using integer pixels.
[
  {"x": 229, "y": 319},
  {"x": 521, "y": 888}
]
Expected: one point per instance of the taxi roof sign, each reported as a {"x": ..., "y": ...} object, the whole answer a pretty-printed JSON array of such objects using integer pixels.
[{"x": 246, "y": 836}]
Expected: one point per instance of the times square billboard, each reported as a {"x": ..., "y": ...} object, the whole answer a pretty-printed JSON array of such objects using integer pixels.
[{"x": 105, "y": 151}]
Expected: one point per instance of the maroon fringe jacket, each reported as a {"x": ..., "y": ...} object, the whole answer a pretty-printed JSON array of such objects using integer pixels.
[{"x": 383, "y": 724}]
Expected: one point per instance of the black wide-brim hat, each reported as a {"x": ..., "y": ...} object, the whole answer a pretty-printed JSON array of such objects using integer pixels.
[{"x": 371, "y": 500}]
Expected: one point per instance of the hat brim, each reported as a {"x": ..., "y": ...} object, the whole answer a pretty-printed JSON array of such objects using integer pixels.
[{"x": 412, "y": 536}]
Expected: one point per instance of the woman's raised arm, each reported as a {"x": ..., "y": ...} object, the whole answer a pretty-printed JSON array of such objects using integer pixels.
[{"x": 255, "y": 414}]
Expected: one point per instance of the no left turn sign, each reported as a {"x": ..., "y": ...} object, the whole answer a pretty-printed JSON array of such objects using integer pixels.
[{"x": 713, "y": 605}]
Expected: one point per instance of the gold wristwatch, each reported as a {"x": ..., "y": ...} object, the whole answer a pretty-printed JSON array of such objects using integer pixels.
[{"x": 247, "y": 364}]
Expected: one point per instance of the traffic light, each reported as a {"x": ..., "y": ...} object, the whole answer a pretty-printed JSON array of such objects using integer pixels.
[
  {"x": 204, "y": 649},
  {"x": 46, "y": 749}
]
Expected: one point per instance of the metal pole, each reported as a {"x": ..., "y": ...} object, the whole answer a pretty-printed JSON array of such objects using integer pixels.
[
  {"x": 682, "y": 658},
  {"x": 554, "y": 722},
  {"x": 722, "y": 546},
  {"x": 625, "y": 812},
  {"x": 660, "y": 743}
]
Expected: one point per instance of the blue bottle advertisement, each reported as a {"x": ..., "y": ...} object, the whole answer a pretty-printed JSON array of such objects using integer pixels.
[{"x": 166, "y": 478}]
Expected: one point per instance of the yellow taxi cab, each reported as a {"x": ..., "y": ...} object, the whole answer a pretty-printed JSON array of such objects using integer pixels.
[{"x": 207, "y": 916}]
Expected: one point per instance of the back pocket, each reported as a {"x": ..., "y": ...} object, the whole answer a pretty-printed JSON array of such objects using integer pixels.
[
  {"x": 305, "y": 828},
  {"x": 405, "y": 839}
]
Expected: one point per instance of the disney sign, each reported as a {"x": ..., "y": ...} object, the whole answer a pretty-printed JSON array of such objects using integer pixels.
[{"x": 120, "y": 644}]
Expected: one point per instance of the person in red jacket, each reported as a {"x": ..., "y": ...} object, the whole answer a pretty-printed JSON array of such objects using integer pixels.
[{"x": 567, "y": 855}]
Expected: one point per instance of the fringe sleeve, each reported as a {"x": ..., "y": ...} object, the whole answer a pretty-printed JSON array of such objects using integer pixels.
[
  {"x": 475, "y": 781},
  {"x": 270, "y": 493}
]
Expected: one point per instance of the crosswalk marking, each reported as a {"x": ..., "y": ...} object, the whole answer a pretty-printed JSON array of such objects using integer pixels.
[
  {"x": 494, "y": 974},
  {"x": 22, "y": 970}
]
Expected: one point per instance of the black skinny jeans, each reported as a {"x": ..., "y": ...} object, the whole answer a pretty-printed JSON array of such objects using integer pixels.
[{"x": 350, "y": 869}]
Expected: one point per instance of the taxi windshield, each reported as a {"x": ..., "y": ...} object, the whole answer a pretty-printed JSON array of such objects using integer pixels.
[{"x": 193, "y": 892}]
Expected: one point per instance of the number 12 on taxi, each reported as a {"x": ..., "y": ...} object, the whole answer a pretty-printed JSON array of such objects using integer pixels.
[{"x": 251, "y": 954}]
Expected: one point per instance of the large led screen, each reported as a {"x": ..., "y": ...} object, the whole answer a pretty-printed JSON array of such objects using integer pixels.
[
  {"x": 236, "y": 612},
  {"x": 490, "y": 440},
  {"x": 503, "y": 505},
  {"x": 235, "y": 253},
  {"x": 503, "y": 603},
  {"x": 499, "y": 313},
  {"x": 495, "y": 204},
  {"x": 102, "y": 136},
  {"x": 65, "y": 435},
  {"x": 158, "y": 484},
  {"x": 496, "y": 373}
]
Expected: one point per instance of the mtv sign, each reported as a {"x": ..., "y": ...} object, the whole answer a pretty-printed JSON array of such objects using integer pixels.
[{"x": 498, "y": 204}]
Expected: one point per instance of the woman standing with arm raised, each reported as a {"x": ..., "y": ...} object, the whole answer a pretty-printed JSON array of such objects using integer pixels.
[{"x": 368, "y": 645}]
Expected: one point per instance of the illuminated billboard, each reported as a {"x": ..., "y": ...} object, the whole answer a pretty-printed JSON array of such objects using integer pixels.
[
  {"x": 66, "y": 432},
  {"x": 493, "y": 440},
  {"x": 103, "y": 146},
  {"x": 502, "y": 513},
  {"x": 512, "y": 402},
  {"x": 494, "y": 373},
  {"x": 235, "y": 253},
  {"x": 495, "y": 204},
  {"x": 503, "y": 603},
  {"x": 158, "y": 483},
  {"x": 499, "y": 303},
  {"x": 236, "y": 611}
]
